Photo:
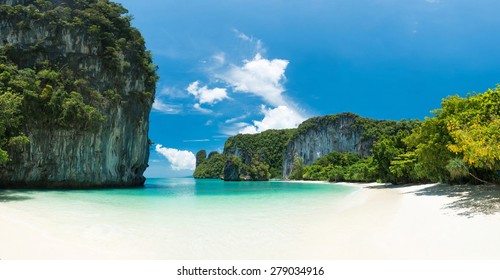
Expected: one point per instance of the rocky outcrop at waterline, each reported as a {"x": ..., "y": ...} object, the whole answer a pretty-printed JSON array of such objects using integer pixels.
[{"x": 85, "y": 116}]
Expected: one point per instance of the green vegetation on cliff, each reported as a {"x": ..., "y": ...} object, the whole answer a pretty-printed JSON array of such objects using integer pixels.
[
  {"x": 211, "y": 167},
  {"x": 40, "y": 87},
  {"x": 246, "y": 157},
  {"x": 258, "y": 150},
  {"x": 370, "y": 129},
  {"x": 461, "y": 143},
  {"x": 101, "y": 21}
]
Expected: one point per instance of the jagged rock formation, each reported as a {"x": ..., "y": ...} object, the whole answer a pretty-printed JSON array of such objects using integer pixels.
[
  {"x": 103, "y": 51},
  {"x": 319, "y": 136}
]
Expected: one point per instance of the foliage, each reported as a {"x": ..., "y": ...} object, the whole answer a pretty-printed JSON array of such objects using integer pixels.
[
  {"x": 297, "y": 169},
  {"x": 370, "y": 129},
  {"x": 405, "y": 168},
  {"x": 10, "y": 123},
  {"x": 362, "y": 171},
  {"x": 337, "y": 167},
  {"x": 458, "y": 168},
  {"x": 212, "y": 153},
  {"x": 201, "y": 156},
  {"x": 386, "y": 153},
  {"x": 102, "y": 21},
  {"x": 461, "y": 142},
  {"x": 429, "y": 144},
  {"x": 336, "y": 158},
  {"x": 266, "y": 147},
  {"x": 43, "y": 88},
  {"x": 474, "y": 124},
  {"x": 256, "y": 171},
  {"x": 210, "y": 168}
]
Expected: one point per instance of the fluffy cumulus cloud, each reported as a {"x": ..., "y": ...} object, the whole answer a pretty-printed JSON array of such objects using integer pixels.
[
  {"x": 259, "y": 76},
  {"x": 274, "y": 118},
  {"x": 179, "y": 160},
  {"x": 205, "y": 95}
]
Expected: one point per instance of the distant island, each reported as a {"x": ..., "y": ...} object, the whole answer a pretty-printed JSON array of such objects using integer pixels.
[
  {"x": 459, "y": 144},
  {"x": 76, "y": 89}
]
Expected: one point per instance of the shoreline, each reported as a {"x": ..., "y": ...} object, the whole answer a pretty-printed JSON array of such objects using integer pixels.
[
  {"x": 400, "y": 222},
  {"x": 351, "y": 184}
]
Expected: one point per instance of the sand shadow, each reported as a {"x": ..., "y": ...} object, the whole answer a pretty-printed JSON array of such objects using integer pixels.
[
  {"x": 9, "y": 196},
  {"x": 470, "y": 200}
]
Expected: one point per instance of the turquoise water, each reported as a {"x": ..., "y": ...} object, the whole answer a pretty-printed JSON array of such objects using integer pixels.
[{"x": 183, "y": 218}]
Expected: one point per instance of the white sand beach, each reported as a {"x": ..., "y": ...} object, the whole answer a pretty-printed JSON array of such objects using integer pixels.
[
  {"x": 374, "y": 222},
  {"x": 399, "y": 224}
]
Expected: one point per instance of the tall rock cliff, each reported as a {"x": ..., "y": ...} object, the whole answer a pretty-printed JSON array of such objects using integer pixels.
[
  {"x": 316, "y": 137},
  {"x": 86, "y": 114}
]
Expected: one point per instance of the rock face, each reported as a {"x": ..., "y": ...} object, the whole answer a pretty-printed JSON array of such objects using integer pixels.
[
  {"x": 113, "y": 154},
  {"x": 266, "y": 147},
  {"x": 231, "y": 171},
  {"x": 319, "y": 136}
]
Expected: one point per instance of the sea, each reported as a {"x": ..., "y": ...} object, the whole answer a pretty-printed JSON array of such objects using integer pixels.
[{"x": 184, "y": 218}]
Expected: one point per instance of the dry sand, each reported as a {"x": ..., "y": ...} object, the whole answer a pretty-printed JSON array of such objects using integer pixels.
[
  {"x": 376, "y": 222},
  {"x": 396, "y": 223}
]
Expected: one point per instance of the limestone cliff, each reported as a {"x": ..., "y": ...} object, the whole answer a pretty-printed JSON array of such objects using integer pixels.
[
  {"x": 319, "y": 136},
  {"x": 263, "y": 150},
  {"x": 104, "y": 60}
]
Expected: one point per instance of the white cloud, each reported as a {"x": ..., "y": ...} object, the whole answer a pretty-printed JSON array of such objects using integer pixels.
[
  {"x": 249, "y": 129},
  {"x": 161, "y": 106},
  {"x": 164, "y": 108},
  {"x": 172, "y": 92},
  {"x": 259, "y": 76},
  {"x": 233, "y": 128},
  {"x": 179, "y": 160},
  {"x": 198, "y": 108},
  {"x": 242, "y": 35},
  {"x": 196, "y": 140},
  {"x": 220, "y": 58},
  {"x": 277, "y": 118},
  {"x": 257, "y": 43},
  {"x": 206, "y": 95},
  {"x": 235, "y": 119}
]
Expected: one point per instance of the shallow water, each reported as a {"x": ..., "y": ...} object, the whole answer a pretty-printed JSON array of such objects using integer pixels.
[{"x": 184, "y": 218}]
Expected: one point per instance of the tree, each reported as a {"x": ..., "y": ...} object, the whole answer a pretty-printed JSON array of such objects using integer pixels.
[
  {"x": 201, "y": 155},
  {"x": 474, "y": 124},
  {"x": 458, "y": 169},
  {"x": 384, "y": 152},
  {"x": 429, "y": 143},
  {"x": 211, "y": 168},
  {"x": 10, "y": 122},
  {"x": 297, "y": 169},
  {"x": 213, "y": 153}
]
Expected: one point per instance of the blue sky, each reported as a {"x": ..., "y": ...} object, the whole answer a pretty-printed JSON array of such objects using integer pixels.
[{"x": 248, "y": 65}]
